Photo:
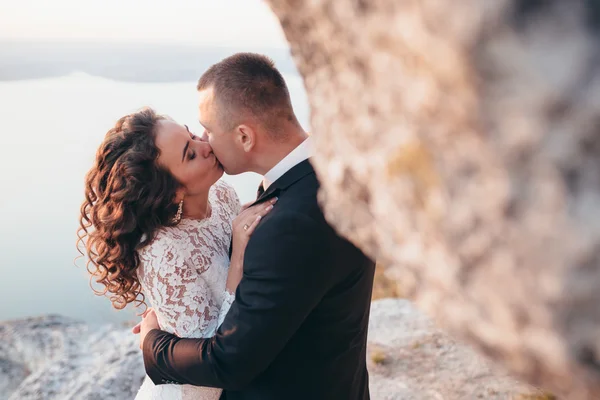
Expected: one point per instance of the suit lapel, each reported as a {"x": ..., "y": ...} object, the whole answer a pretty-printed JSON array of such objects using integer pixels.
[
  {"x": 297, "y": 172},
  {"x": 288, "y": 179}
]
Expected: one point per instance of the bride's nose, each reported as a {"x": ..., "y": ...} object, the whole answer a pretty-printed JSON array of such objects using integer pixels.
[{"x": 204, "y": 149}]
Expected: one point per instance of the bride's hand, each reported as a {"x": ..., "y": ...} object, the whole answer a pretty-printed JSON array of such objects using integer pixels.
[
  {"x": 243, "y": 227},
  {"x": 245, "y": 224}
]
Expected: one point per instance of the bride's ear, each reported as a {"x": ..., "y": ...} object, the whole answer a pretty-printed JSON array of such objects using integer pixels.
[{"x": 246, "y": 137}]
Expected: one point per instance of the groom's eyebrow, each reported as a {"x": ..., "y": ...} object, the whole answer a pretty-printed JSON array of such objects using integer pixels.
[{"x": 185, "y": 150}]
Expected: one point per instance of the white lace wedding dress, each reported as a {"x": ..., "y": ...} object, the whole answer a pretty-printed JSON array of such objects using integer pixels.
[{"x": 183, "y": 274}]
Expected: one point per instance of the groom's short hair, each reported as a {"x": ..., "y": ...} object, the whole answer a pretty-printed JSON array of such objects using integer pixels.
[{"x": 249, "y": 83}]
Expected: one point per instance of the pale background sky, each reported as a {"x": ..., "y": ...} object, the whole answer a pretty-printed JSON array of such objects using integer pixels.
[
  {"x": 59, "y": 117},
  {"x": 204, "y": 22}
]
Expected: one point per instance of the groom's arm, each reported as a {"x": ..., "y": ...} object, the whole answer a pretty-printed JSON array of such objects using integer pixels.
[{"x": 285, "y": 276}]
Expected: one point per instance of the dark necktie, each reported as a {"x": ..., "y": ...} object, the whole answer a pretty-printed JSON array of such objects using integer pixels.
[{"x": 260, "y": 191}]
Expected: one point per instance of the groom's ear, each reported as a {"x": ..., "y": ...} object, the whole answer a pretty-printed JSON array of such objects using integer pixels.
[{"x": 246, "y": 137}]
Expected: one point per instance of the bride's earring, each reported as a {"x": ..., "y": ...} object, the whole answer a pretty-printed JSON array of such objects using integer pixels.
[{"x": 177, "y": 216}]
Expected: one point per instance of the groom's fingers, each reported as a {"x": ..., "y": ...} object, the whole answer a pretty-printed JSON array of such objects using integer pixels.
[
  {"x": 146, "y": 312},
  {"x": 136, "y": 329}
]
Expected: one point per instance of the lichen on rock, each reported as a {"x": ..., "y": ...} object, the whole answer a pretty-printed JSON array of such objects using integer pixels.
[{"x": 458, "y": 144}]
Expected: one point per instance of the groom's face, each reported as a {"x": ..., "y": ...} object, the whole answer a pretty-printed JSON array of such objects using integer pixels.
[{"x": 222, "y": 140}]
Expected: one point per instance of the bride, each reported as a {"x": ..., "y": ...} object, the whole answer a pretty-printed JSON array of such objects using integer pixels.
[{"x": 157, "y": 224}]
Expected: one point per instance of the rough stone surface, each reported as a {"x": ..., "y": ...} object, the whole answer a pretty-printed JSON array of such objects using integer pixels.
[
  {"x": 411, "y": 359},
  {"x": 54, "y": 358},
  {"x": 458, "y": 143}
]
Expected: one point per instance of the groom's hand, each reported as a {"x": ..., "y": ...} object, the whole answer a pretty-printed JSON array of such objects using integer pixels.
[
  {"x": 149, "y": 322},
  {"x": 136, "y": 329}
]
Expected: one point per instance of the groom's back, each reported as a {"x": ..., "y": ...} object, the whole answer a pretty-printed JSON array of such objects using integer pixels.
[{"x": 325, "y": 358}]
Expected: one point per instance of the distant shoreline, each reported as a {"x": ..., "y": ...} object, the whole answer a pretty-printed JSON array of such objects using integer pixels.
[{"x": 140, "y": 63}]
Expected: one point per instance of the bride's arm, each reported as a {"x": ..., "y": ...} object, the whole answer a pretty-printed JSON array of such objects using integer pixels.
[
  {"x": 243, "y": 227},
  {"x": 239, "y": 217}
]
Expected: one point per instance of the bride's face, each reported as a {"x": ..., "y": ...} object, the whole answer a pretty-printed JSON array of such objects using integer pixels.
[{"x": 189, "y": 158}]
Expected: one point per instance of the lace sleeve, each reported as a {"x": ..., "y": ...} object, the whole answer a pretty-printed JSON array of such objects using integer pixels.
[
  {"x": 228, "y": 299},
  {"x": 181, "y": 297}
]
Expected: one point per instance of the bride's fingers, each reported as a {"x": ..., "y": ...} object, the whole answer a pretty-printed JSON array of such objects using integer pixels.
[
  {"x": 258, "y": 209},
  {"x": 266, "y": 207},
  {"x": 253, "y": 226},
  {"x": 261, "y": 212},
  {"x": 248, "y": 217},
  {"x": 245, "y": 206}
]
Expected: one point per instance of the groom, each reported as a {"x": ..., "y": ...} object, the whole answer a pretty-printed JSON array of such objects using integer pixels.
[{"x": 298, "y": 326}]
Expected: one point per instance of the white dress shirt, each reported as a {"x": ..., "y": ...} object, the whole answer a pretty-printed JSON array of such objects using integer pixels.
[{"x": 299, "y": 154}]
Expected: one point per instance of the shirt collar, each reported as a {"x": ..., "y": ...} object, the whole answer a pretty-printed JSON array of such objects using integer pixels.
[{"x": 302, "y": 152}]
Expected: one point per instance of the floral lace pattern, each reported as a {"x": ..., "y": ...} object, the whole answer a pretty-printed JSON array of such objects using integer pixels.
[{"x": 183, "y": 273}]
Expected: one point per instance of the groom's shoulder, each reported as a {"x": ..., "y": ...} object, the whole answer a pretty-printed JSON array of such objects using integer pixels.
[
  {"x": 298, "y": 204},
  {"x": 289, "y": 222},
  {"x": 305, "y": 189},
  {"x": 301, "y": 197}
]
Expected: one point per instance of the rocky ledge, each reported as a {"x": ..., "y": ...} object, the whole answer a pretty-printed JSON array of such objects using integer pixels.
[{"x": 409, "y": 359}]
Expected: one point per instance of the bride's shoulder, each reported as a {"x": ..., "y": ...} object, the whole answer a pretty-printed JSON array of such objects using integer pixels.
[
  {"x": 222, "y": 185},
  {"x": 164, "y": 237},
  {"x": 225, "y": 191},
  {"x": 227, "y": 196}
]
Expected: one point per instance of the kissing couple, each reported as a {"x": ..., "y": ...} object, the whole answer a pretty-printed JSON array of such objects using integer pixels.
[{"x": 261, "y": 302}]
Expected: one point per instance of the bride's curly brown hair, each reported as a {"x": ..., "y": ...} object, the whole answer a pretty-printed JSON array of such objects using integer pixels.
[{"x": 128, "y": 197}]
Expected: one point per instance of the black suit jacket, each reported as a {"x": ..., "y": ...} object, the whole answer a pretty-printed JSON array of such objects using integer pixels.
[{"x": 298, "y": 326}]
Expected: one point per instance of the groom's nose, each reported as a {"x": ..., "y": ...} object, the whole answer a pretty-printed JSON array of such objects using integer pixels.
[{"x": 204, "y": 137}]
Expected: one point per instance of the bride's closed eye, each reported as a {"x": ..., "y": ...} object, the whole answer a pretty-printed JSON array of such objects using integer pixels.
[{"x": 194, "y": 137}]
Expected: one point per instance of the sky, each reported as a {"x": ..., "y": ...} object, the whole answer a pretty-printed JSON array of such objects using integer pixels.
[{"x": 203, "y": 22}]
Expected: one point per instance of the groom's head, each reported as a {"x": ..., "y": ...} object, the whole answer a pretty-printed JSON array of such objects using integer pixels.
[{"x": 245, "y": 108}]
